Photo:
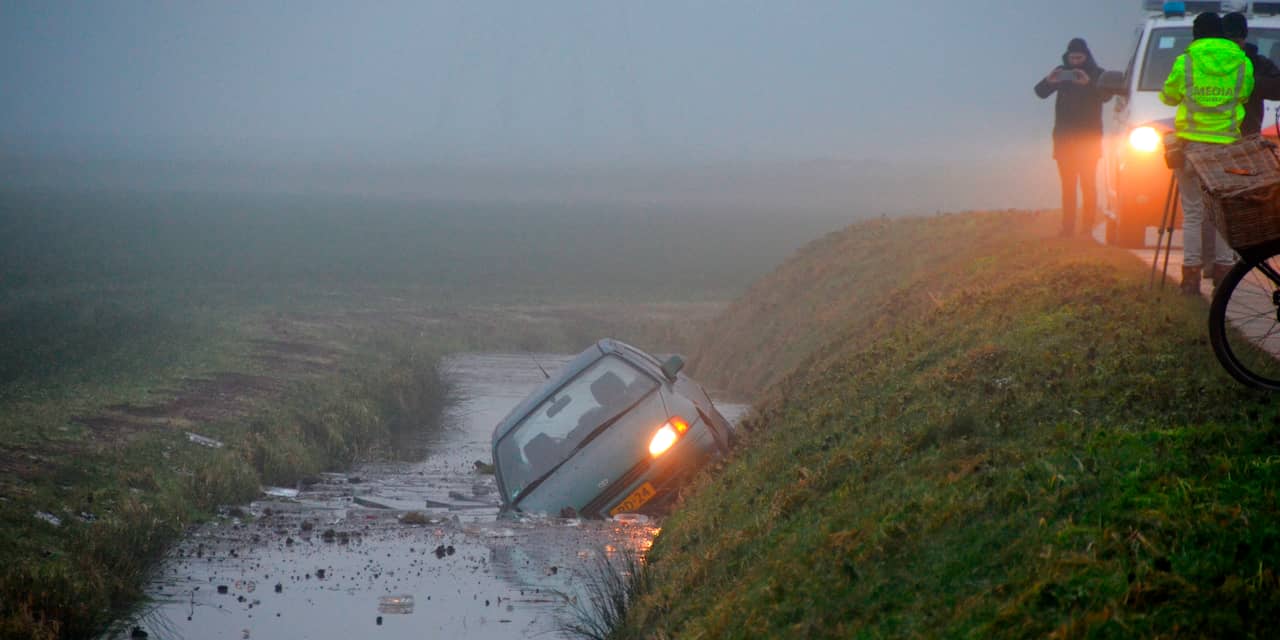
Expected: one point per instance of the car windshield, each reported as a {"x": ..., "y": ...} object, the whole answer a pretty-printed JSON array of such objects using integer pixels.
[
  {"x": 565, "y": 419},
  {"x": 1167, "y": 44}
]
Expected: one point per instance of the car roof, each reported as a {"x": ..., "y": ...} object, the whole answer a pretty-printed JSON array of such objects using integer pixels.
[{"x": 604, "y": 347}]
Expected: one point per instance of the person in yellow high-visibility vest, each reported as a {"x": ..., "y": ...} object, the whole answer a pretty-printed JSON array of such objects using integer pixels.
[{"x": 1210, "y": 84}]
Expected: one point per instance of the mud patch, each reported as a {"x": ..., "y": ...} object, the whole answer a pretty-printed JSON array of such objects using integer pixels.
[
  {"x": 21, "y": 465},
  {"x": 114, "y": 426},
  {"x": 224, "y": 395}
]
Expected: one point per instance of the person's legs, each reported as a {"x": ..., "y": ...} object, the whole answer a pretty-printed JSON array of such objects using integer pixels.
[
  {"x": 1067, "y": 174},
  {"x": 1089, "y": 191},
  {"x": 1192, "y": 218},
  {"x": 1207, "y": 242}
]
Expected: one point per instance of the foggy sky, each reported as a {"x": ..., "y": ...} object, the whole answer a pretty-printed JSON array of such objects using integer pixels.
[{"x": 837, "y": 104}]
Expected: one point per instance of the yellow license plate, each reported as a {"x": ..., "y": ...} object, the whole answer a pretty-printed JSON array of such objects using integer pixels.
[{"x": 641, "y": 495}]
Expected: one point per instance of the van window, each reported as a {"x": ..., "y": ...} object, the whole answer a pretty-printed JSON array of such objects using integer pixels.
[{"x": 1165, "y": 45}]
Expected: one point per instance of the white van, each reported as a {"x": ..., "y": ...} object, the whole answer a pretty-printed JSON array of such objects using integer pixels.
[{"x": 1136, "y": 182}]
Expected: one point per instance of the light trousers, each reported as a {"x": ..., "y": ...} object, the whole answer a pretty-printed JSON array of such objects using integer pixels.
[{"x": 1194, "y": 211}]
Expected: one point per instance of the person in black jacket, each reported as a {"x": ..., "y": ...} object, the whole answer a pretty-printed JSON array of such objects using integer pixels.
[
  {"x": 1266, "y": 76},
  {"x": 1077, "y": 130}
]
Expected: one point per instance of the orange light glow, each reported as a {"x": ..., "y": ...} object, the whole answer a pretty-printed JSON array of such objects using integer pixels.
[
  {"x": 679, "y": 423},
  {"x": 662, "y": 440}
]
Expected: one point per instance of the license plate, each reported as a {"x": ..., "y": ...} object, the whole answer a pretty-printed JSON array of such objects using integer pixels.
[{"x": 641, "y": 495}]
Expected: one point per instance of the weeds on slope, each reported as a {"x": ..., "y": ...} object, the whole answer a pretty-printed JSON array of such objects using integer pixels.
[{"x": 610, "y": 586}]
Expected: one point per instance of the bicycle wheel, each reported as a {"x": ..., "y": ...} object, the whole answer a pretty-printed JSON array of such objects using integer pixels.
[{"x": 1244, "y": 322}]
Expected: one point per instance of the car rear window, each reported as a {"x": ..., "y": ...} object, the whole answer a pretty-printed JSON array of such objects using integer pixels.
[
  {"x": 555, "y": 427},
  {"x": 1165, "y": 45}
]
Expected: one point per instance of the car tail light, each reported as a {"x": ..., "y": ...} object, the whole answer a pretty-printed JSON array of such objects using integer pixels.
[{"x": 666, "y": 435}]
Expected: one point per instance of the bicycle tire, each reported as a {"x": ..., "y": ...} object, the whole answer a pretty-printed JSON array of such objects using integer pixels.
[{"x": 1244, "y": 322}]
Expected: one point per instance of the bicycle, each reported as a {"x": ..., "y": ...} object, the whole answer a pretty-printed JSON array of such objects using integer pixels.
[
  {"x": 1241, "y": 182},
  {"x": 1244, "y": 321}
]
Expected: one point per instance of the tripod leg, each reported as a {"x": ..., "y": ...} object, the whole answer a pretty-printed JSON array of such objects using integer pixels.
[
  {"x": 1173, "y": 218},
  {"x": 1165, "y": 222}
]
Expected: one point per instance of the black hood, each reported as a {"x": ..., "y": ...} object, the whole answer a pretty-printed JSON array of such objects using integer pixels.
[{"x": 1078, "y": 45}]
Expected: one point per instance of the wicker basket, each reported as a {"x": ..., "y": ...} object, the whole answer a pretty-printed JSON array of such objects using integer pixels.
[{"x": 1242, "y": 185}]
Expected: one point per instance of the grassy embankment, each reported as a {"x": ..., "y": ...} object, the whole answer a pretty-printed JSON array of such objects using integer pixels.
[
  {"x": 300, "y": 332},
  {"x": 987, "y": 432}
]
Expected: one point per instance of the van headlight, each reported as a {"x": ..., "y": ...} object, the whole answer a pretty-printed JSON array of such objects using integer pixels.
[{"x": 1144, "y": 139}]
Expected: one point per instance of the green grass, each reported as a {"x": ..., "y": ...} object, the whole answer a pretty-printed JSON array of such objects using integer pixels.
[{"x": 1045, "y": 448}]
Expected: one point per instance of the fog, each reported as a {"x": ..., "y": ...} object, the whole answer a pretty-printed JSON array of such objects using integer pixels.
[{"x": 846, "y": 107}]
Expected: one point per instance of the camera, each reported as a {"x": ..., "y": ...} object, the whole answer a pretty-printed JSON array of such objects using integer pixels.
[{"x": 1065, "y": 75}]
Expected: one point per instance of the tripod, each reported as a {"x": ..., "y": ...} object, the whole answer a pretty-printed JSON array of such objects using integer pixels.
[{"x": 1168, "y": 218}]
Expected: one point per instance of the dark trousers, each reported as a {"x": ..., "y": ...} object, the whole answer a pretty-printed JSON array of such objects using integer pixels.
[{"x": 1079, "y": 168}]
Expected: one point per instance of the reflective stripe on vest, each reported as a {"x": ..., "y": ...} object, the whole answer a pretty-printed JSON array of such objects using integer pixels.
[{"x": 1193, "y": 107}]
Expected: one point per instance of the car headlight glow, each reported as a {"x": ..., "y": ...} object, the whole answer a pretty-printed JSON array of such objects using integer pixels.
[
  {"x": 666, "y": 435},
  {"x": 1144, "y": 139}
]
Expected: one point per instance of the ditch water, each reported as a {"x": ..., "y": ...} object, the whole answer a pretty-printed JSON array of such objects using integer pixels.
[{"x": 336, "y": 558}]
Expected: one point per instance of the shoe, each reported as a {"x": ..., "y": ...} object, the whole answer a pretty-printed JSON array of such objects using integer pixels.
[
  {"x": 1220, "y": 272},
  {"x": 1190, "y": 281}
]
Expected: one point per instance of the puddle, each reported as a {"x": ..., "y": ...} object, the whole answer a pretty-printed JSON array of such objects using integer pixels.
[{"x": 410, "y": 550}]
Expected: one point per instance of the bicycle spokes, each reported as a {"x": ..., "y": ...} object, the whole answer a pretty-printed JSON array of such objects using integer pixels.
[{"x": 1244, "y": 324}]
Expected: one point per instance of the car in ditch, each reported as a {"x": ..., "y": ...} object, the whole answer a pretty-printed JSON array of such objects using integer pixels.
[{"x": 614, "y": 431}]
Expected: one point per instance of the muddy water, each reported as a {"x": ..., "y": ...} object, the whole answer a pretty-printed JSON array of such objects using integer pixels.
[{"x": 339, "y": 560}]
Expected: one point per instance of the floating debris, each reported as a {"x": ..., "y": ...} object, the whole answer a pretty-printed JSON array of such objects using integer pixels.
[
  {"x": 49, "y": 517},
  {"x": 415, "y": 517},
  {"x": 204, "y": 441},
  {"x": 436, "y": 504},
  {"x": 396, "y": 604},
  {"x": 365, "y": 502},
  {"x": 458, "y": 495},
  {"x": 632, "y": 518}
]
